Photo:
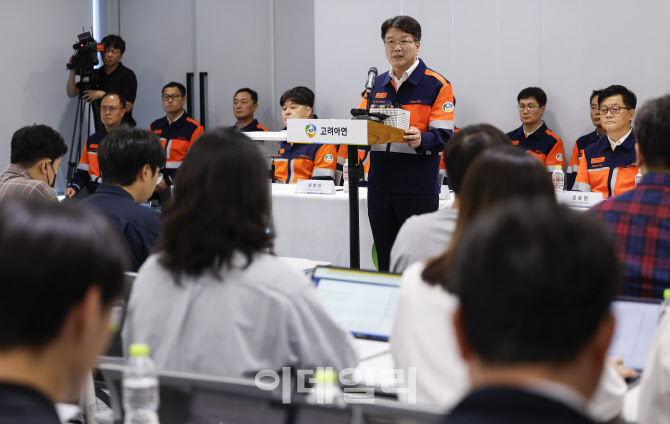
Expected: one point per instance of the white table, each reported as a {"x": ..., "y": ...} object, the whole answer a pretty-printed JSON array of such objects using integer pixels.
[{"x": 316, "y": 226}]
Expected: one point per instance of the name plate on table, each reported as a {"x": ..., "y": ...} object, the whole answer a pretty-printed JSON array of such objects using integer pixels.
[
  {"x": 579, "y": 199},
  {"x": 327, "y": 131},
  {"x": 315, "y": 187}
]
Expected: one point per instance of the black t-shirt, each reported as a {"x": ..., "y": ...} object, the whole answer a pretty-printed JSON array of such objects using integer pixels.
[{"x": 122, "y": 81}]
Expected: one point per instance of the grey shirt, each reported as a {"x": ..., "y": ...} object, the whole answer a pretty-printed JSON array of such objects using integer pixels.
[
  {"x": 266, "y": 316},
  {"x": 422, "y": 237}
]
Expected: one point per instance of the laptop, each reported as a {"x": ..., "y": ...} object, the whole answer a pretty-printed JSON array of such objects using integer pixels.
[
  {"x": 636, "y": 322},
  {"x": 363, "y": 302}
]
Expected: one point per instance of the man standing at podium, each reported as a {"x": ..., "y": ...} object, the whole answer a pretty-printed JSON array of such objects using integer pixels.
[{"x": 403, "y": 179}]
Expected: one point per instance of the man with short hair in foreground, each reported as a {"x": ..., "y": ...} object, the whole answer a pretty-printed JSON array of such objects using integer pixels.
[
  {"x": 54, "y": 319},
  {"x": 36, "y": 153},
  {"x": 130, "y": 159},
  {"x": 535, "y": 348}
]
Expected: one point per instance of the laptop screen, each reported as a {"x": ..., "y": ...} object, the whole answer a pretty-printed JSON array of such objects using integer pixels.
[
  {"x": 636, "y": 322},
  {"x": 363, "y": 302}
]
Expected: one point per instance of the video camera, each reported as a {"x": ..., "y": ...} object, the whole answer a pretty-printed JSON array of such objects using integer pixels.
[{"x": 85, "y": 57}]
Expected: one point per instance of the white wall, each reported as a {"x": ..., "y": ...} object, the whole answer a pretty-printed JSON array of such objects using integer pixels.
[
  {"x": 491, "y": 49},
  {"x": 266, "y": 45},
  {"x": 36, "y": 47}
]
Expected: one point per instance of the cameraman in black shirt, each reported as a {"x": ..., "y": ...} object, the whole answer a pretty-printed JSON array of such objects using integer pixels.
[{"x": 112, "y": 76}]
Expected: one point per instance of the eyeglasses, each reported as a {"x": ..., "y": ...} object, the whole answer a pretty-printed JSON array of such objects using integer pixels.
[
  {"x": 402, "y": 44},
  {"x": 529, "y": 108},
  {"x": 109, "y": 108},
  {"x": 615, "y": 110},
  {"x": 167, "y": 97}
]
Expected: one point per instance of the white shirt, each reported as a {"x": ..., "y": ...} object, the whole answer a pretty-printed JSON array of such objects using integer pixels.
[
  {"x": 423, "y": 337},
  {"x": 170, "y": 122},
  {"x": 532, "y": 132},
  {"x": 654, "y": 403},
  {"x": 620, "y": 141},
  {"x": 405, "y": 75}
]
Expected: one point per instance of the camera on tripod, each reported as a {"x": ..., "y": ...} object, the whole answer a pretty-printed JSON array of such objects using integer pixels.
[{"x": 85, "y": 59}]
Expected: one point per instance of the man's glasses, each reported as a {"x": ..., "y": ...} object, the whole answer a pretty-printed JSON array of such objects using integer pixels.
[
  {"x": 109, "y": 108},
  {"x": 167, "y": 97},
  {"x": 615, "y": 110},
  {"x": 528, "y": 108},
  {"x": 402, "y": 44}
]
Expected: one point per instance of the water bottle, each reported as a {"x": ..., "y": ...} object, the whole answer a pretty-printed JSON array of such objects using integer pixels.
[
  {"x": 345, "y": 175},
  {"x": 557, "y": 179},
  {"x": 326, "y": 389},
  {"x": 638, "y": 178},
  {"x": 665, "y": 305},
  {"x": 140, "y": 387}
]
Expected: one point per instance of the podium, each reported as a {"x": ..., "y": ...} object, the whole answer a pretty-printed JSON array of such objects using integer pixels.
[{"x": 352, "y": 133}]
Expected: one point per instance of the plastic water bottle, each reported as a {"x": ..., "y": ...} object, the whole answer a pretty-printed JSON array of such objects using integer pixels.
[
  {"x": 140, "y": 387},
  {"x": 665, "y": 305},
  {"x": 345, "y": 175},
  {"x": 638, "y": 178},
  {"x": 557, "y": 179},
  {"x": 326, "y": 389}
]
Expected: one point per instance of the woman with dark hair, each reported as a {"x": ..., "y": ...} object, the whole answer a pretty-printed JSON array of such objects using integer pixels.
[
  {"x": 423, "y": 335},
  {"x": 210, "y": 300}
]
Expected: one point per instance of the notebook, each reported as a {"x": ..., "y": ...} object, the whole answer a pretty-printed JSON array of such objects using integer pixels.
[{"x": 363, "y": 302}]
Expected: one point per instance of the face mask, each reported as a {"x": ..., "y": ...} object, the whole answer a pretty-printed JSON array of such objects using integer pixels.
[{"x": 52, "y": 184}]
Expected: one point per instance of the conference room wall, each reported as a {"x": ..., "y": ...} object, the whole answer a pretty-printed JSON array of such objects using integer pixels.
[
  {"x": 263, "y": 44},
  {"x": 491, "y": 49},
  {"x": 35, "y": 48}
]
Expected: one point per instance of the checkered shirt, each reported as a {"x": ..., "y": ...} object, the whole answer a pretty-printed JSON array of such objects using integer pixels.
[
  {"x": 640, "y": 222},
  {"x": 16, "y": 182}
]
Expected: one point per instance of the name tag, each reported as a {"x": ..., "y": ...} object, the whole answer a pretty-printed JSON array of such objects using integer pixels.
[
  {"x": 598, "y": 160},
  {"x": 579, "y": 199},
  {"x": 327, "y": 131},
  {"x": 315, "y": 187}
]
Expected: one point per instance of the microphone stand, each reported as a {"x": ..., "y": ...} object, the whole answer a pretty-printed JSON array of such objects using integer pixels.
[{"x": 356, "y": 173}]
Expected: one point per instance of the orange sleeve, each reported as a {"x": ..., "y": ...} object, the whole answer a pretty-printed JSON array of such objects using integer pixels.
[{"x": 583, "y": 182}]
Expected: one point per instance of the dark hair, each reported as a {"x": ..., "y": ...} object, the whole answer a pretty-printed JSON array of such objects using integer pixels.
[
  {"x": 535, "y": 92},
  {"x": 498, "y": 174},
  {"x": 122, "y": 98},
  {"x": 38, "y": 243},
  {"x": 252, "y": 93},
  {"x": 652, "y": 128},
  {"x": 299, "y": 95},
  {"x": 177, "y": 85},
  {"x": 32, "y": 143},
  {"x": 465, "y": 146},
  {"x": 594, "y": 94},
  {"x": 124, "y": 151},
  {"x": 404, "y": 23},
  {"x": 629, "y": 98},
  {"x": 527, "y": 293},
  {"x": 114, "y": 41},
  {"x": 231, "y": 178}
]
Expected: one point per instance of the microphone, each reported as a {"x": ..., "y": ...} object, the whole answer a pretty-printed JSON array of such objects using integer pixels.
[{"x": 372, "y": 76}]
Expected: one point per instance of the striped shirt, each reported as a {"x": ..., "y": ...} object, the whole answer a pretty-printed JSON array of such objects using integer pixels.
[{"x": 16, "y": 182}]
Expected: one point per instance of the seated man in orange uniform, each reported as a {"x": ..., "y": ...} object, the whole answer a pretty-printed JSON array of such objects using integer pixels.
[
  {"x": 298, "y": 161},
  {"x": 534, "y": 136},
  {"x": 608, "y": 166}
]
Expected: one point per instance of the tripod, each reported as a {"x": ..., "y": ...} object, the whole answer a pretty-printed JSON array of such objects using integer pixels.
[{"x": 78, "y": 126}]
